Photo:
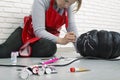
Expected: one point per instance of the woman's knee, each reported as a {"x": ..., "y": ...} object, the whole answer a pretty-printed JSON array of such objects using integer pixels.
[{"x": 43, "y": 48}]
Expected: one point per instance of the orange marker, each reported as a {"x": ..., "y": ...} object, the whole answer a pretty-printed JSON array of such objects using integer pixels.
[{"x": 73, "y": 69}]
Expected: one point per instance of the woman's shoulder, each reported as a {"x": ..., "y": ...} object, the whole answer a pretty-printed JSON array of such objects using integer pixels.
[{"x": 45, "y": 3}]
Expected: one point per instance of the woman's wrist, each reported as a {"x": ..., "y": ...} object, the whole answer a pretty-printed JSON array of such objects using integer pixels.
[{"x": 61, "y": 41}]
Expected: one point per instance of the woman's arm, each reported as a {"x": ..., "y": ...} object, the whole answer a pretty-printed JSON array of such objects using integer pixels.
[
  {"x": 72, "y": 27},
  {"x": 38, "y": 17}
]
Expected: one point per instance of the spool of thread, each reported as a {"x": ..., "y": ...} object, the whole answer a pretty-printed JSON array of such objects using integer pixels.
[
  {"x": 28, "y": 71},
  {"x": 73, "y": 69},
  {"x": 41, "y": 71},
  {"x": 35, "y": 69},
  {"x": 50, "y": 70},
  {"x": 25, "y": 73}
]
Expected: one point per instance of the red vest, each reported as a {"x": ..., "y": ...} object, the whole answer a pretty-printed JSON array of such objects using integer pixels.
[{"x": 54, "y": 20}]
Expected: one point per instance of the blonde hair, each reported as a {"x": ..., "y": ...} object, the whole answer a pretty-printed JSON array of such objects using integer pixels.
[{"x": 78, "y": 2}]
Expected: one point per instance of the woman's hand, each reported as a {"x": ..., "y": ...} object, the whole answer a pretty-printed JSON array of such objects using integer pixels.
[{"x": 69, "y": 37}]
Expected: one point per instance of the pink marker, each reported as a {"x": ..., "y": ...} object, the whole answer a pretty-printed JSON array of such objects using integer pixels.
[{"x": 50, "y": 61}]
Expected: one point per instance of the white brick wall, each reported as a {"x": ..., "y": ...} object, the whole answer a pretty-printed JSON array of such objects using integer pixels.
[
  {"x": 99, "y": 14},
  {"x": 11, "y": 15},
  {"x": 94, "y": 14}
]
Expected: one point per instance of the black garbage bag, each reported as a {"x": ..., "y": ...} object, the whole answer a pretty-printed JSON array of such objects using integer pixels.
[{"x": 100, "y": 44}]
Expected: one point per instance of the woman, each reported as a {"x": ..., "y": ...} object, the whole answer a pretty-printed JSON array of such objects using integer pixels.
[{"x": 48, "y": 16}]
